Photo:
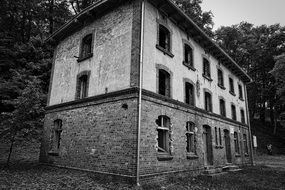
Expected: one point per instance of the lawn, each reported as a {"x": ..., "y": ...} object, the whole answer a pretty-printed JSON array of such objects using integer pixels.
[{"x": 26, "y": 173}]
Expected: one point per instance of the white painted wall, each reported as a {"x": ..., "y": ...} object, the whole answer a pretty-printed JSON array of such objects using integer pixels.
[{"x": 153, "y": 56}]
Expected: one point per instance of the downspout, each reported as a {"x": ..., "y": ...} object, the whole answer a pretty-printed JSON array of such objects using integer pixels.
[
  {"x": 249, "y": 127},
  {"x": 140, "y": 91}
]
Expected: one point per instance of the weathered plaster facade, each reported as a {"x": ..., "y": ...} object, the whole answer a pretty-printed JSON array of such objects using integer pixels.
[{"x": 100, "y": 132}]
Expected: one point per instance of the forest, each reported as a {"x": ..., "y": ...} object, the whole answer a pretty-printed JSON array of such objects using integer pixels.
[{"x": 25, "y": 60}]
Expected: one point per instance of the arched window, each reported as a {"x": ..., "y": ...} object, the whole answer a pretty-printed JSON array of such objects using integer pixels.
[
  {"x": 222, "y": 107},
  {"x": 234, "y": 115},
  {"x": 232, "y": 88},
  {"x": 220, "y": 78},
  {"x": 189, "y": 94},
  {"x": 206, "y": 68},
  {"x": 190, "y": 138},
  {"x": 86, "y": 47},
  {"x": 242, "y": 117},
  {"x": 163, "y": 141},
  {"x": 56, "y": 137},
  {"x": 188, "y": 55},
  {"x": 82, "y": 85},
  {"x": 236, "y": 141},
  {"x": 164, "y": 83},
  {"x": 164, "y": 38},
  {"x": 208, "y": 101}
]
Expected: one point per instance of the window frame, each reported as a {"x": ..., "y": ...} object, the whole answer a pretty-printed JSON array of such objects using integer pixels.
[
  {"x": 206, "y": 91},
  {"x": 236, "y": 143},
  {"x": 191, "y": 147},
  {"x": 231, "y": 86},
  {"x": 221, "y": 81},
  {"x": 189, "y": 65},
  {"x": 206, "y": 68},
  {"x": 83, "y": 56},
  {"x": 165, "y": 69},
  {"x": 185, "y": 82},
  {"x": 78, "y": 93},
  {"x": 245, "y": 144},
  {"x": 242, "y": 116},
  {"x": 224, "y": 113},
  {"x": 162, "y": 26},
  {"x": 55, "y": 138},
  {"x": 234, "y": 112},
  {"x": 240, "y": 92}
]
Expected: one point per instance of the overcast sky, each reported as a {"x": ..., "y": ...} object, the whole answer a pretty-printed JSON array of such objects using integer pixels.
[{"x": 257, "y": 12}]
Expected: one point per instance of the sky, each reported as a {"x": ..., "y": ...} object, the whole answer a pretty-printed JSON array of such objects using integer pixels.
[{"x": 257, "y": 12}]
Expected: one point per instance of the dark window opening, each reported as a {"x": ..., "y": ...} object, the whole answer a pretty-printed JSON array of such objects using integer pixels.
[
  {"x": 236, "y": 141},
  {"x": 245, "y": 144},
  {"x": 232, "y": 89},
  {"x": 163, "y": 123},
  {"x": 208, "y": 101},
  {"x": 222, "y": 107},
  {"x": 164, "y": 38},
  {"x": 216, "y": 136},
  {"x": 164, "y": 83},
  {"x": 220, "y": 78},
  {"x": 188, "y": 55},
  {"x": 234, "y": 115},
  {"x": 86, "y": 47},
  {"x": 190, "y": 138},
  {"x": 240, "y": 92},
  {"x": 242, "y": 116},
  {"x": 83, "y": 86},
  {"x": 206, "y": 68},
  {"x": 189, "y": 94},
  {"x": 220, "y": 136},
  {"x": 56, "y": 137}
]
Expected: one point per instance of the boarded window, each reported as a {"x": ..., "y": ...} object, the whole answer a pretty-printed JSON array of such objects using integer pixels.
[
  {"x": 56, "y": 137},
  {"x": 236, "y": 141},
  {"x": 232, "y": 89},
  {"x": 234, "y": 115},
  {"x": 163, "y": 128},
  {"x": 222, "y": 107},
  {"x": 164, "y": 38},
  {"x": 86, "y": 47},
  {"x": 206, "y": 68},
  {"x": 220, "y": 78},
  {"x": 188, "y": 55},
  {"x": 190, "y": 138},
  {"x": 189, "y": 94},
  {"x": 164, "y": 83},
  {"x": 208, "y": 101}
]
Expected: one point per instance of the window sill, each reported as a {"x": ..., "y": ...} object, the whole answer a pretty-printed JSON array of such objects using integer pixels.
[
  {"x": 207, "y": 77},
  {"x": 164, "y": 157},
  {"x": 189, "y": 66},
  {"x": 191, "y": 156},
  {"x": 222, "y": 87},
  {"x": 84, "y": 58},
  {"x": 232, "y": 93},
  {"x": 52, "y": 153},
  {"x": 241, "y": 98},
  {"x": 164, "y": 51}
]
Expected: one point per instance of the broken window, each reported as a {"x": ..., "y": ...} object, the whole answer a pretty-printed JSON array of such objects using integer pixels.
[
  {"x": 236, "y": 141},
  {"x": 242, "y": 116},
  {"x": 82, "y": 85},
  {"x": 56, "y": 137},
  {"x": 234, "y": 115},
  {"x": 245, "y": 144},
  {"x": 188, "y": 55},
  {"x": 232, "y": 89},
  {"x": 189, "y": 94},
  {"x": 240, "y": 92},
  {"x": 163, "y": 128},
  {"x": 222, "y": 107},
  {"x": 208, "y": 101},
  {"x": 190, "y": 137},
  {"x": 164, "y": 38},
  {"x": 86, "y": 46},
  {"x": 220, "y": 78},
  {"x": 206, "y": 68},
  {"x": 164, "y": 83}
]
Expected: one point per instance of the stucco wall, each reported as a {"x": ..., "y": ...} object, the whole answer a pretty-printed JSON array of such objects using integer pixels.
[
  {"x": 110, "y": 64},
  {"x": 153, "y": 56}
]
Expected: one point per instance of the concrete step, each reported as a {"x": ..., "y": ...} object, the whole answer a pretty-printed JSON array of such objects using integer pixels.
[
  {"x": 230, "y": 167},
  {"x": 213, "y": 171}
]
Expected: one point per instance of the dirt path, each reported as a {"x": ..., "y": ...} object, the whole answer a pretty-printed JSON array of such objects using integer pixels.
[{"x": 274, "y": 161}]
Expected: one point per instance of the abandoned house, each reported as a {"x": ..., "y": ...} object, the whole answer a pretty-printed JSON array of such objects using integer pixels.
[{"x": 139, "y": 91}]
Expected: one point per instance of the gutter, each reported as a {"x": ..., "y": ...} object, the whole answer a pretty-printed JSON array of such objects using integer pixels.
[{"x": 140, "y": 92}]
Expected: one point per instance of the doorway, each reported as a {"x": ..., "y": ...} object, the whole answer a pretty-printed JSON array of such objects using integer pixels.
[
  {"x": 207, "y": 145},
  {"x": 228, "y": 146}
]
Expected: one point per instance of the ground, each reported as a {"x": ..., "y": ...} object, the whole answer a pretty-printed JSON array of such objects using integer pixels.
[{"x": 26, "y": 173}]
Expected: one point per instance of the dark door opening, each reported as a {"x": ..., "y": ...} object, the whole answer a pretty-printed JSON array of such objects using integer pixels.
[
  {"x": 228, "y": 146},
  {"x": 207, "y": 144}
]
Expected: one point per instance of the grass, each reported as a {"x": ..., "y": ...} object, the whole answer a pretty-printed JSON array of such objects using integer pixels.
[{"x": 26, "y": 173}]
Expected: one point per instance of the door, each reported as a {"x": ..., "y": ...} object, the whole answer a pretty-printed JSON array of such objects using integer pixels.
[
  {"x": 207, "y": 143},
  {"x": 228, "y": 146}
]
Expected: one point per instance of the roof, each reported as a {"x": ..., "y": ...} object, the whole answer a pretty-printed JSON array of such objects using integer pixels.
[{"x": 175, "y": 14}]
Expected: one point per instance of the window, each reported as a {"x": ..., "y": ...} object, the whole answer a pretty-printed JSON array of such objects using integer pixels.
[
  {"x": 220, "y": 136},
  {"x": 234, "y": 115},
  {"x": 164, "y": 83},
  {"x": 236, "y": 143},
  {"x": 82, "y": 85},
  {"x": 55, "y": 137},
  {"x": 188, "y": 56},
  {"x": 232, "y": 89},
  {"x": 220, "y": 79},
  {"x": 240, "y": 92},
  {"x": 208, "y": 101},
  {"x": 86, "y": 47},
  {"x": 189, "y": 94},
  {"x": 190, "y": 138},
  {"x": 222, "y": 107},
  {"x": 206, "y": 68},
  {"x": 163, "y": 128},
  {"x": 164, "y": 38},
  {"x": 216, "y": 136},
  {"x": 242, "y": 118},
  {"x": 245, "y": 144}
]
